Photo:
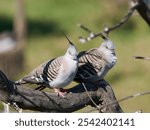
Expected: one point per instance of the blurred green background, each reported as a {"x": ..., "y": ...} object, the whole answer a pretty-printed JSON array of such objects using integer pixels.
[{"x": 47, "y": 19}]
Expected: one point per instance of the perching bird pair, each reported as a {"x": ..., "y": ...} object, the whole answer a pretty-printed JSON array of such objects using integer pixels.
[{"x": 86, "y": 66}]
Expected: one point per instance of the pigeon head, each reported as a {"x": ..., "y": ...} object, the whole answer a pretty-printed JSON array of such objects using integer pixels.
[
  {"x": 107, "y": 48},
  {"x": 108, "y": 45},
  {"x": 71, "y": 51}
]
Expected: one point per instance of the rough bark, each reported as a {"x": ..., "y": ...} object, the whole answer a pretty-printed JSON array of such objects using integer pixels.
[{"x": 77, "y": 98}]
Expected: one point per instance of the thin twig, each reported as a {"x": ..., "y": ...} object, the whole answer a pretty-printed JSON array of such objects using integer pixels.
[
  {"x": 15, "y": 107},
  {"x": 123, "y": 20},
  {"x": 127, "y": 97},
  {"x": 12, "y": 105},
  {"x": 97, "y": 107},
  {"x": 91, "y": 35},
  {"x": 122, "y": 99},
  {"x": 106, "y": 30},
  {"x": 84, "y": 28},
  {"x": 141, "y": 57}
]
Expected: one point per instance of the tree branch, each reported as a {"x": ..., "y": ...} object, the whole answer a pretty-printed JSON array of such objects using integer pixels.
[
  {"x": 107, "y": 30},
  {"x": 26, "y": 98},
  {"x": 144, "y": 9},
  {"x": 123, "y": 20}
]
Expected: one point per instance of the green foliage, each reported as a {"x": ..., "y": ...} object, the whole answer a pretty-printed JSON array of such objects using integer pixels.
[{"x": 47, "y": 19}]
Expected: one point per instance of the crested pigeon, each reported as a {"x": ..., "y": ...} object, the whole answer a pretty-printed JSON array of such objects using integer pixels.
[
  {"x": 56, "y": 73},
  {"x": 94, "y": 64}
]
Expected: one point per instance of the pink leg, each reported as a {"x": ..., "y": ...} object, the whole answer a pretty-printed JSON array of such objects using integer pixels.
[{"x": 60, "y": 92}]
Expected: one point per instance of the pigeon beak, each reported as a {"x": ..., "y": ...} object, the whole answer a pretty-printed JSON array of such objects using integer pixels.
[{"x": 113, "y": 53}]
